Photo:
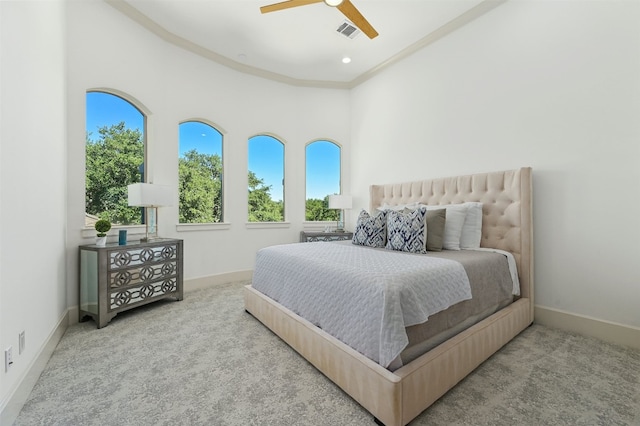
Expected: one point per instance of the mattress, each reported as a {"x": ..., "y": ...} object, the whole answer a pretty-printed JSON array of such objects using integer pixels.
[{"x": 370, "y": 298}]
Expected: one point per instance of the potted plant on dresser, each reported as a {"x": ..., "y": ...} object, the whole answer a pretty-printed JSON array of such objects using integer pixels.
[{"x": 102, "y": 227}]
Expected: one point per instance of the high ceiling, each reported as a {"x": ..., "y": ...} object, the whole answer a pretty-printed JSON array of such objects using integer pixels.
[{"x": 301, "y": 45}]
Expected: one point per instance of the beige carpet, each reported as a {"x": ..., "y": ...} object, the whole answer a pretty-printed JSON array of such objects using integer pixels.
[{"x": 204, "y": 361}]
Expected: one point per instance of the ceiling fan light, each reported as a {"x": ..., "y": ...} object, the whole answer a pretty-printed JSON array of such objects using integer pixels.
[{"x": 333, "y": 3}]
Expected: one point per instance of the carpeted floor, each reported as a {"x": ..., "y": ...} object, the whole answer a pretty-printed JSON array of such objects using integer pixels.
[{"x": 204, "y": 361}]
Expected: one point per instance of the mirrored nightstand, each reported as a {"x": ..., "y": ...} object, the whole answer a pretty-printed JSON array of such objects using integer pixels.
[{"x": 116, "y": 278}]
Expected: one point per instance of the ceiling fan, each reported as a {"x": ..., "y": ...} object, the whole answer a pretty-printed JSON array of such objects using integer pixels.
[{"x": 344, "y": 6}]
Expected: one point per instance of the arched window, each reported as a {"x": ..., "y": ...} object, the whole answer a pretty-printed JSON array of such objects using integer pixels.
[
  {"x": 266, "y": 179},
  {"x": 322, "y": 159},
  {"x": 200, "y": 172},
  {"x": 115, "y": 158}
]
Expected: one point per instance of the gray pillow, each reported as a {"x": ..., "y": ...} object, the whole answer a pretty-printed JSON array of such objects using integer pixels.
[{"x": 435, "y": 229}]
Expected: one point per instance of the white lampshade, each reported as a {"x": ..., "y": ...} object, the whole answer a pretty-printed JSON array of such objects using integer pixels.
[
  {"x": 333, "y": 3},
  {"x": 149, "y": 195},
  {"x": 340, "y": 201}
]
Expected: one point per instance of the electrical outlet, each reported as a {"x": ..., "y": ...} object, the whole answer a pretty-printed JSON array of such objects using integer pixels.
[
  {"x": 8, "y": 358},
  {"x": 21, "y": 342}
]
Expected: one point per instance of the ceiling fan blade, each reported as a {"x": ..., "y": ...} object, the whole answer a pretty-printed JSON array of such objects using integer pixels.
[
  {"x": 354, "y": 15},
  {"x": 287, "y": 5}
]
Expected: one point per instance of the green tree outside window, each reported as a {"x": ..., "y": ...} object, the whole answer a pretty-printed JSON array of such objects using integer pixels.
[
  {"x": 200, "y": 173},
  {"x": 266, "y": 164},
  {"x": 322, "y": 159},
  {"x": 113, "y": 161}
]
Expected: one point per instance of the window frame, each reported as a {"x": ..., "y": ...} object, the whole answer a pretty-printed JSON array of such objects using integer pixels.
[
  {"x": 205, "y": 226},
  {"x": 276, "y": 224},
  {"x": 135, "y": 229},
  {"x": 320, "y": 224}
]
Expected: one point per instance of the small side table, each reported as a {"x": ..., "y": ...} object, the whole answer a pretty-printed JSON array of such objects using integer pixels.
[{"x": 310, "y": 237}]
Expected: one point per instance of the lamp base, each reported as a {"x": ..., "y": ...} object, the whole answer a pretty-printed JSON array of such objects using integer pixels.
[
  {"x": 340, "y": 222},
  {"x": 150, "y": 225}
]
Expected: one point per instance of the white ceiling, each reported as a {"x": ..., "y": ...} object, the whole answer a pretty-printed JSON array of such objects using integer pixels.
[{"x": 300, "y": 45}]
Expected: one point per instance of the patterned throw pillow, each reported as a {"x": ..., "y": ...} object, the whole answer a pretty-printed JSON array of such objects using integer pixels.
[
  {"x": 407, "y": 231},
  {"x": 371, "y": 230}
]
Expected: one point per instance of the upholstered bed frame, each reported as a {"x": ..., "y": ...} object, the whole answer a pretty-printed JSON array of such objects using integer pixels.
[{"x": 395, "y": 398}]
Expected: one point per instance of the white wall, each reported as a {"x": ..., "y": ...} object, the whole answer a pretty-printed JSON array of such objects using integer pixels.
[
  {"x": 108, "y": 50},
  {"x": 32, "y": 181},
  {"x": 554, "y": 85}
]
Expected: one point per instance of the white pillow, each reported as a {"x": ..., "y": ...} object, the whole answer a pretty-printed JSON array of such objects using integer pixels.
[
  {"x": 456, "y": 215},
  {"x": 472, "y": 228}
]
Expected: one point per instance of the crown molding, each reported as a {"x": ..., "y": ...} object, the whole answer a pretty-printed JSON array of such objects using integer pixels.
[{"x": 134, "y": 14}]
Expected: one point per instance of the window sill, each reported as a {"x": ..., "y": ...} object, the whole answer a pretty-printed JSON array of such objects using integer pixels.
[{"x": 267, "y": 225}]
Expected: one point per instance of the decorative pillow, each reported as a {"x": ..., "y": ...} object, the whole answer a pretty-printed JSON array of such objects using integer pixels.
[
  {"x": 472, "y": 228},
  {"x": 436, "y": 220},
  {"x": 371, "y": 230},
  {"x": 407, "y": 231},
  {"x": 456, "y": 214}
]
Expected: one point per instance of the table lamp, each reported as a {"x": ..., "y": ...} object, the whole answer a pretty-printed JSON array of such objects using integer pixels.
[
  {"x": 151, "y": 197},
  {"x": 340, "y": 202}
]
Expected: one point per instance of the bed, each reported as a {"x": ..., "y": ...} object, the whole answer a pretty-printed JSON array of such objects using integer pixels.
[{"x": 396, "y": 397}]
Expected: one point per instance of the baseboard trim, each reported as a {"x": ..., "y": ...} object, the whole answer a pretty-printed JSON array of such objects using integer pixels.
[
  {"x": 608, "y": 331},
  {"x": 209, "y": 281},
  {"x": 25, "y": 385}
]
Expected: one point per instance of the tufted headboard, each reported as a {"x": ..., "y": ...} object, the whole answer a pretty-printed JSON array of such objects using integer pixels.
[{"x": 506, "y": 205}]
